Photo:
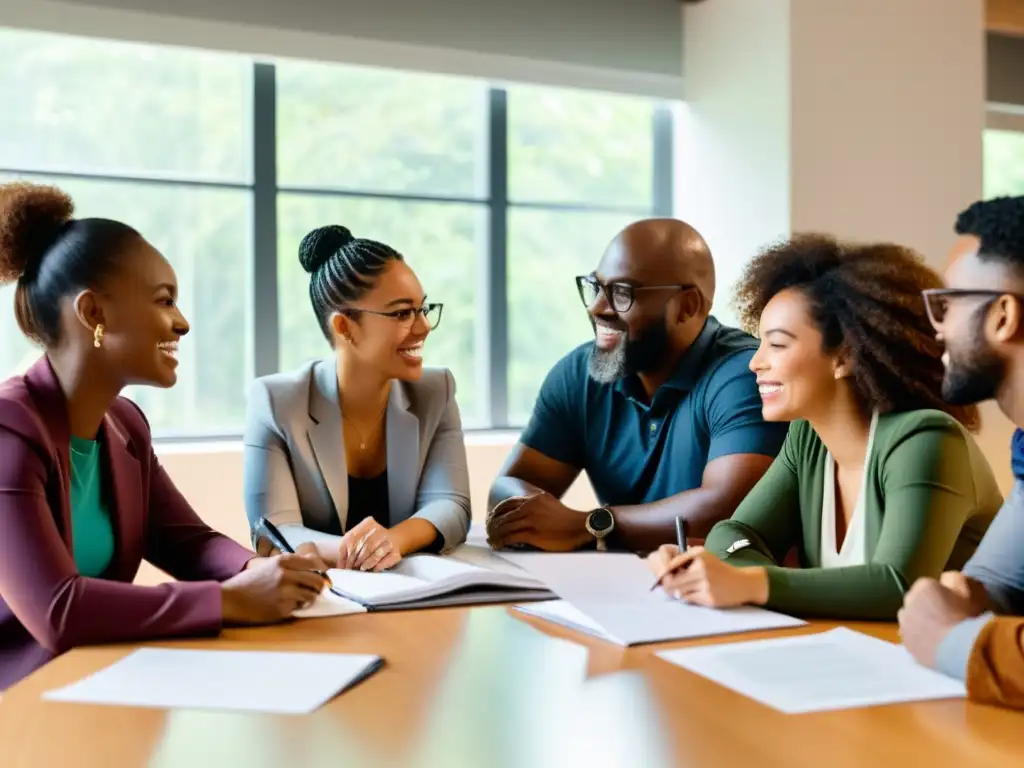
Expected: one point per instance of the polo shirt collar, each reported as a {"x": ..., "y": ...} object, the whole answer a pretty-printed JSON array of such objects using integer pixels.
[{"x": 687, "y": 372}]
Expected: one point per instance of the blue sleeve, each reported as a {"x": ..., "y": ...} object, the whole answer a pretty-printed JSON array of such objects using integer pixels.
[
  {"x": 997, "y": 562},
  {"x": 954, "y": 652},
  {"x": 733, "y": 411},
  {"x": 556, "y": 424}
]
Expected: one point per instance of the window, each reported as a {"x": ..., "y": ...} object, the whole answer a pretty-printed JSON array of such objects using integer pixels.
[
  {"x": 497, "y": 197},
  {"x": 158, "y": 138},
  {"x": 375, "y": 151},
  {"x": 1004, "y": 163},
  {"x": 581, "y": 167}
]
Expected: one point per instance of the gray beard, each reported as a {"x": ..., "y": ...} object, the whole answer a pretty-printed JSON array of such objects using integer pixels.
[
  {"x": 608, "y": 366},
  {"x": 645, "y": 352}
]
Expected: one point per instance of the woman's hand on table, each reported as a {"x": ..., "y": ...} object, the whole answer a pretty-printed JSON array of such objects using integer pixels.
[{"x": 368, "y": 547}]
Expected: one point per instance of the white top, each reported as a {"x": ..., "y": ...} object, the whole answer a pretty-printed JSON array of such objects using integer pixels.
[{"x": 854, "y": 550}]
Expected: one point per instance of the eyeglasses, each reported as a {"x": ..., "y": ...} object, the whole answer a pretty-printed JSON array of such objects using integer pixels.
[
  {"x": 431, "y": 313},
  {"x": 936, "y": 300},
  {"x": 620, "y": 296}
]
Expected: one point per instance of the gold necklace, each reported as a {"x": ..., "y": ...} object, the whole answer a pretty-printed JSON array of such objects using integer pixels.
[{"x": 359, "y": 432}]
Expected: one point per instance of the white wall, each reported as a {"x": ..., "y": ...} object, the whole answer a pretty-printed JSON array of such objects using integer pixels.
[
  {"x": 861, "y": 119},
  {"x": 599, "y": 44}
]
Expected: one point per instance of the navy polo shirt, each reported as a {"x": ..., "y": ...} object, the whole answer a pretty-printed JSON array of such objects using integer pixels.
[{"x": 635, "y": 453}]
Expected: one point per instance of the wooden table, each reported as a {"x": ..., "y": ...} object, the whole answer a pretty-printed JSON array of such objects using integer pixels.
[{"x": 487, "y": 688}]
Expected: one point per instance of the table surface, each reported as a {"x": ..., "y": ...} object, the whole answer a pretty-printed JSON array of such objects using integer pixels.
[{"x": 487, "y": 686}]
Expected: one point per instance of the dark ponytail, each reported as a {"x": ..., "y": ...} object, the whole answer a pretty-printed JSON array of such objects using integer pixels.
[
  {"x": 342, "y": 269},
  {"x": 51, "y": 254}
]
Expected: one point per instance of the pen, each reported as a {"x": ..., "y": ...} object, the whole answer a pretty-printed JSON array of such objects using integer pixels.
[
  {"x": 282, "y": 544},
  {"x": 680, "y": 542},
  {"x": 681, "y": 534}
]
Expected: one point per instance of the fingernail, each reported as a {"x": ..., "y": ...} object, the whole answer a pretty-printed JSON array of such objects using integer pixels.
[{"x": 677, "y": 595}]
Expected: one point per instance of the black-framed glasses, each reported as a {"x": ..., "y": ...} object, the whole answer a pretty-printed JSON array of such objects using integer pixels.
[
  {"x": 431, "y": 313},
  {"x": 620, "y": 296},
  {"x": 936, "y": 300}
]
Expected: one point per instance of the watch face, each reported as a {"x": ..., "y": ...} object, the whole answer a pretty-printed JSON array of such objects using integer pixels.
[{"x": 601, "y": 520}]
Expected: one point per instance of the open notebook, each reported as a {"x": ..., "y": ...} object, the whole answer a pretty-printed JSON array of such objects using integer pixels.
[{"x": 466, "y": 577}]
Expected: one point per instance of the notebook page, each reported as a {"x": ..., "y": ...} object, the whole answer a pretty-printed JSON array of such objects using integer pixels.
[
  {"x": 328, "y": 604},
  {"x": 368, "y": 586}
]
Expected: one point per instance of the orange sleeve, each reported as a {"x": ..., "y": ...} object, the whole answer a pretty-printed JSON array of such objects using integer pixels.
[{"x": 995, "y": 671}]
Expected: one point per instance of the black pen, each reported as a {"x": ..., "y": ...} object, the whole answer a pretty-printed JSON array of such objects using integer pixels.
[
  {"x": 282, "y": 544},
  {"x": 680, "y": 541},
  {"x": 681, "y": 534}
]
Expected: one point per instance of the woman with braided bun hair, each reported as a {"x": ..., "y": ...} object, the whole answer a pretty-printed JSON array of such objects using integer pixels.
[
  {"x": 879, "y": 481},
  {"x": 358, "y": 458},
  {"x": 83, "y": 498}
]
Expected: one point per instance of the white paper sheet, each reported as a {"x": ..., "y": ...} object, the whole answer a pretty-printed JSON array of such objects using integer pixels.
[
  {"x": 483, "y": 556},
  {"x": 566, "y": 614},
  {"x": 613, "y": 591},
  {"x": 838, "y": 669},
  {"x": 168, "y": 678},
  {"x": 657, "y": 619},
  {"x": 587, "y": 575},
  {"x": 329, "y": 604}
]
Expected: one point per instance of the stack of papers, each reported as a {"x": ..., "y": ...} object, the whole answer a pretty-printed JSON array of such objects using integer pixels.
[
  {"x": 831, "y": 670},
  {"x": 609, "y": 595},
  {"x": 223, "y": 680}
]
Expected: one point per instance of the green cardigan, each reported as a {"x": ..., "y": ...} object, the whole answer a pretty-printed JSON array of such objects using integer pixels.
[{"x": 930, "y": 496}]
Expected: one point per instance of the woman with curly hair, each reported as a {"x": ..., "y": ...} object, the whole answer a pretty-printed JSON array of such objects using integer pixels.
[{"x": 879, "y": 481}]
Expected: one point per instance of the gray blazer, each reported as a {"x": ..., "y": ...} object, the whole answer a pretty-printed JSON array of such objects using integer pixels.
[{"x": 295, "y": 469}]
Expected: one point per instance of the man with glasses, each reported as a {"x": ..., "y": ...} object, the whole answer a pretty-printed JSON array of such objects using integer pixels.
[
  {"x": 661, "y": 410},
  {"x": 953, "y": 624}
]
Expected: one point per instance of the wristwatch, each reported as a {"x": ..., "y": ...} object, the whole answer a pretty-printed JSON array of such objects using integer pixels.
[{"x": 600, "y": 523}]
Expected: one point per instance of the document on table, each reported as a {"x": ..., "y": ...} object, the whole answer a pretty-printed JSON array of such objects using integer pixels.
[
  {"x": 838, "y": 669},
  {"x": 167, "y": 678},
  {"x": 586, "y": 575},
  {"x": 609, "y": 595},
  {"x": 329, "y": 604},
  {"x": 655, "y": 620}
]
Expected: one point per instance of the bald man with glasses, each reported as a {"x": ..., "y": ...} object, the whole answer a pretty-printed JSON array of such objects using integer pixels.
[{"x": 660, "y": 410}]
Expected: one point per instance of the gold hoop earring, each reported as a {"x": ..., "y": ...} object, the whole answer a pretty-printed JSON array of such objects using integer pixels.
[{"x": 97, "y": 336}]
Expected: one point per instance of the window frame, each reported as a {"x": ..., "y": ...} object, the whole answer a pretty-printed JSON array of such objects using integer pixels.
[{"x": 493, "y": 332}]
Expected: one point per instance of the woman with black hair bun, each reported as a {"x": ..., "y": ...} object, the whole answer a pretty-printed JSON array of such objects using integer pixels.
[
  {"x": 358, "y": 458},
  {"x": 83, "y": 499}
]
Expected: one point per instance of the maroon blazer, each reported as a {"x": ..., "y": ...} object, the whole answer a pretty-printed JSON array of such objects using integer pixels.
[{"x": 46, "y": 607}]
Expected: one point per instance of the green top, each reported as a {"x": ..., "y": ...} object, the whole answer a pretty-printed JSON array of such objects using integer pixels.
[
  {"x": 930, "y": 496},
  {"x": 91, "y": 530}
]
